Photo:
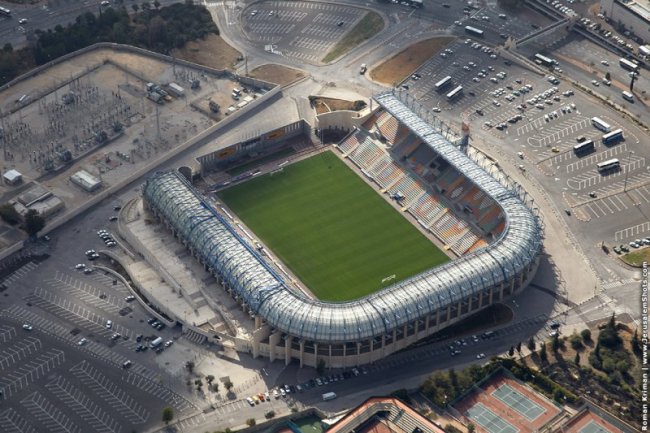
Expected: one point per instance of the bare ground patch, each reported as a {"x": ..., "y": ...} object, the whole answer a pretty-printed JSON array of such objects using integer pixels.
[
  {"x": 402, "y": 64},
  {"x": 325, "y": 105},
  {"x": 212, "y": 51},
  {"x": 278, "y": 74}
]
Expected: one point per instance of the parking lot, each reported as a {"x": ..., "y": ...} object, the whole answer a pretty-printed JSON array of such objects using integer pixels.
[
  {"x": 304, "y": 31},
  {"x": 537, "y": 123},
  {"x": 61, "y": 367}
]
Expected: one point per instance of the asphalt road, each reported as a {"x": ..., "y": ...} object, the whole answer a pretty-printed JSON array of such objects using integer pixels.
[{"x": 48, "y": 16}]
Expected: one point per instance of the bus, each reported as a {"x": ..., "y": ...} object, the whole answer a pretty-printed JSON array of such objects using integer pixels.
[
  {"x": 543, "y": 60},
  {"x": 626, "y": 64},
  {"x": 443, "y": 83},
  {"x": 329, "y": 396},
  {"x": 4, "y": 11},
  {"x": 474, "y": 31},
  {"x": 584, "y": 147},
  {"x": 627, "y": 96},
  {"x": 613, "y": 136},
  {"x": 457, "y": 91},
  {"x": 612, "y": 164},
  {"x": 600, "y": 124}
]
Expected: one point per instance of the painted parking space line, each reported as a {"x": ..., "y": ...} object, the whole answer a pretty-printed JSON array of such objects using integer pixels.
[
  {"x": 633, "y": 231},
  {"x": 83, "y": 406},
  {"x": 116, "y": 397},
  {"x": 595, "y": 158},
  {"x": 12, "y": 422},
  {"x": 49, "y": 415},
  {"x": 7, "y": 333},
  {"x": 30, "y": 371}
]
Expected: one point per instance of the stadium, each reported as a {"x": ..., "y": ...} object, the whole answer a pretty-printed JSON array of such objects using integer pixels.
[{"x": 490, "y": 240}]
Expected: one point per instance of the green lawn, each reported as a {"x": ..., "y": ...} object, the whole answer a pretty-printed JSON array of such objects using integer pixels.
[{"x": 333, "y": 230}]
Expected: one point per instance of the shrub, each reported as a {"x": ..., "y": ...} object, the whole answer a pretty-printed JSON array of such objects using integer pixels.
[
  {"x": 586, "y": 335},
  {"x": 250, "y": 422},
  {"x": 608, "y": 365},
  {"x": 595, "y": 361},
  {"x": 576, "y": 341}
]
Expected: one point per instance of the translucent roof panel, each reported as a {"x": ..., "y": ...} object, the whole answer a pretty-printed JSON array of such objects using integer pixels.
[{"x": 291, "y": 312}]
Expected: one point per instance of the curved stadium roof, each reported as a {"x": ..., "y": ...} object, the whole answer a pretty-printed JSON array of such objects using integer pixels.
[{"x": 266, "y": 294}]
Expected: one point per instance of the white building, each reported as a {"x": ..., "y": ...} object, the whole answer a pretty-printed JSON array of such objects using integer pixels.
[
  {"x": 86, "y": 180},
  {"x": 12, "y": 177}
]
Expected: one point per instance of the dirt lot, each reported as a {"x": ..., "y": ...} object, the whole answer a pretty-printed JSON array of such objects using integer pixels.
[
  {"x": 277, "y": 74},
  {"x": 402, "y": 64},
  {"x": 212, "y": 51},
  {"x": 325, "y": 105}
]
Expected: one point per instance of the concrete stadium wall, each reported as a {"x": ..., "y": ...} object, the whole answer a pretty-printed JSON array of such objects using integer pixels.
[{"x": 345, "y": 119}]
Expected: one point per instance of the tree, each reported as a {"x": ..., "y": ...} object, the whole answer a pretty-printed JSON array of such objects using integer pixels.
[
  {"x": 636, "y": 343},
  {"x": 623, "y": 366},
  {"x": 471, "y": 428},
  {"x": 531, "y": 344},
  {"x": 320, "y": 367},
  {"x": 609, "y": 337},
  {"x": 156, "y": 4},
  {"x": 209, "y": 378},
  {"x": 453, "y": 379},
  {"x": 34, "y": 223},
  {"x": 555, "y": 342},
  {"x": 145, "y": 6},
  {"x": 511, "y": 352},
  {"x": 157, "y": 33},
  {"x": 8, "y": 48},
  {"x": 215, "y": 387},
  {"x": 9, "y": 214},
  {"x": 135, "y": 7},
  {"x": 250, "y": 422},
  {"x": 270, "y": 414},
  {"x": 190, "y": 366},
  {"x": 543, "y": 356},
  {"x": 167, "y": 415},
  {"x": 228, "y": 385},
  {"x": 586, "y": 335},
  {"x": 519, "y": 347},
  {"x": 576, "y": 360}
]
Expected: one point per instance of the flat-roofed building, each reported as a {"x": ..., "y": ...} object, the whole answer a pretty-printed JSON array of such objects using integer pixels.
[
  {"x": 12, "y": 177},
  {"x": 86, "y": 180},
  {"x": 633, "y": 14}
]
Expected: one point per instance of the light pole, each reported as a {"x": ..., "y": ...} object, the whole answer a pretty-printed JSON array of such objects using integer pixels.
[{"x": 627, "y": 169}]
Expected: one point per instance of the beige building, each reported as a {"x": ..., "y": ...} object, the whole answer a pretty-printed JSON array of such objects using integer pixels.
[{"x": 633, "y": 14}]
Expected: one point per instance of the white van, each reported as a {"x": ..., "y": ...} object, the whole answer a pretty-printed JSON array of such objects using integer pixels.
[
  {"x": 155, "y": 343},
  {"x": 627, "y": 96}
]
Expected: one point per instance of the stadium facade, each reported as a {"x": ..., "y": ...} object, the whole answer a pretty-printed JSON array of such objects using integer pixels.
[{"x": 290, "y": 325}]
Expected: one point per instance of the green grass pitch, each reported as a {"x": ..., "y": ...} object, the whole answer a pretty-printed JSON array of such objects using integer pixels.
[{"x": 331, "y": 229}]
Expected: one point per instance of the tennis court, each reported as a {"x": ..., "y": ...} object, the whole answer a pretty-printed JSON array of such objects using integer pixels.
[
  {"x": 593, "y": 427},
  {"x": 519, "y": 402},
  {"x": 488, "y": 420}
]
